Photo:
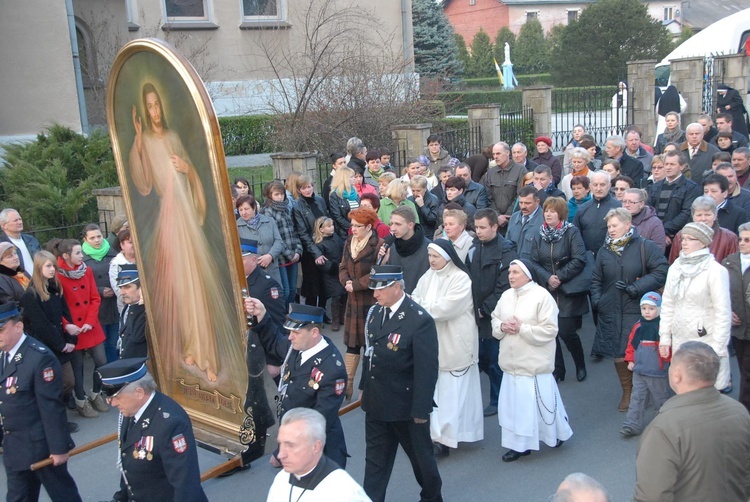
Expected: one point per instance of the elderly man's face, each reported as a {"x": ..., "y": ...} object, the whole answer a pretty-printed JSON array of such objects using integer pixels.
[
  {"x": 500, "y": 155},
  {"x": 599, "y": 186},
  {"x": 14, "y": 225},
  {"x": 613, "y": 151},
  {"x": 298, "y": 454},
  {"x": 694, "y": 136},
  {"x": 740, "y": 163},
  {"x": 519, "y": 154},
  {"x": 731, "y": 176},
  {"x": 633, "y": 142}
]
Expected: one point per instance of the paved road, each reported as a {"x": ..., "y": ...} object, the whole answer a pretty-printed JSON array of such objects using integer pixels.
[{"x": 473, "y": 473}]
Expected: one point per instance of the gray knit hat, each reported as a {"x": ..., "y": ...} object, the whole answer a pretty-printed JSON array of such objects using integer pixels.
[{"x": 700, "y": 231}]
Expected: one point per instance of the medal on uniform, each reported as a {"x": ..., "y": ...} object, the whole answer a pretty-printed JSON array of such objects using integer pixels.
[
  {"x": 148, "y": 446},
  {"x": 393, "y": 340},
  {"x": 315, "y": 377},
  {"x": 10, "y": 385}
]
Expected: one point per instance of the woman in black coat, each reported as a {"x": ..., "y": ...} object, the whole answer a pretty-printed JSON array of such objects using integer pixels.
[
  {"x": 13, "y": 279},
  {"x": 308, "y": 208},
  {"x": 627, "y": 267},
  {"x": 558, "y": 255},
  {"x": 730, "y": 101},
  {"x": 45, "y": 315}
]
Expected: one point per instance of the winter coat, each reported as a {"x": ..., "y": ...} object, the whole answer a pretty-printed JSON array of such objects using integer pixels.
[
  {"x": 550, "y": 160},
  {"x": 340, "y": 208},
  {"x": 631, "y": 168},
  {"x": 304, "y": 223},
  {"x": 333, "y": 249},
  {"x": 476, "y": 195},
  {"x": 479, "y": 165},
  {"x": 532, "y": 351},
  {"x": 590, "y": 221},
  {"x": 650, "y": 226},
  {"x": 467, "y": 208},
  {"x": 10, "y": 288},
  {"x": 283, "y": 219},
  {"x": 731, "y": 217},
  {"x": 442, "y": 159},
  {"x": 44, "y": 320},
  {"x": 488, "y": 264},
  {"x": 523, "y": 235},
  {"x": 360, "y": 300},
  {"x": 723, "y": 244},
  {"x": 83, "y": 301},
  {"x": 739, "y": 287},
  {"x": 662, "y": 142},
  {"x": 415, "y": 264},
  {"x": 32, "y": 245},
  {"x": 387, "y": 206},
  {"x": 269, "y": 242},
  {"x": 108, "y": 313},
  {"x": 428, "y": 213},
  {"x": 565, "y": 259},
  {"x": 644, "y": 157},
  {"x": 503, "y": 186},
  {"x": 677, "y": 214},
  {"x": 446, "y": 295},
  {"x": 648, "y": 361},
  {"x": 618, "y": 312},
  {"x": 707, "y": 304},
  {"x": 701, "y": 163},
  {"x": 575, "y": 204}
]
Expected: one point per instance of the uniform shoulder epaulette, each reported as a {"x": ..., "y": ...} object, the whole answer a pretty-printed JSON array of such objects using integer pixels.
[
  {"x": 416, "y": 308},
  {"x": 38, "y": 347}
]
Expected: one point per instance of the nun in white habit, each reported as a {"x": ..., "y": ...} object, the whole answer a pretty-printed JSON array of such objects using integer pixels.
[
  {"x": 530, "y": 408},
  {"x": 444, "y": 291}
]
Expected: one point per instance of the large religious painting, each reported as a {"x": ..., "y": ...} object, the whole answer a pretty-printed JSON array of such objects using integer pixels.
[{"x": 172, "y": 171}]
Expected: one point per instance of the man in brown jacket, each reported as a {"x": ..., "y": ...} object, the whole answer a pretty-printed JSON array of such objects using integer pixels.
[
  {"x": 503, "y": 182},
  {"x": 698, "y": 446}
]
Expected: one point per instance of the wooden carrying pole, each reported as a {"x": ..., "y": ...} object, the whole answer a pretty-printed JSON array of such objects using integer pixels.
[
  {"x": 211, "y": 473},
  {"x": 75, "y": 451}
]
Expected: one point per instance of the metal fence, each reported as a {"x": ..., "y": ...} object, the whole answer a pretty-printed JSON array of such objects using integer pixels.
[
  {"x": 518, "y": 126},
  {"x": 462, "y": 143},
  {"x": 602, "y": 111}
]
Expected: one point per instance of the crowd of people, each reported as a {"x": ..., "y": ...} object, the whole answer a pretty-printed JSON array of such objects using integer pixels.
[{"x": 437, "y": 272}]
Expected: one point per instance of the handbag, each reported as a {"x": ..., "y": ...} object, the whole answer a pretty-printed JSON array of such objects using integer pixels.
[{"x": 580, "y": 284}]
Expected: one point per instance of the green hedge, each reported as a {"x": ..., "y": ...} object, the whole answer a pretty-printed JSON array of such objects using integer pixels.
[
  {"x": 247, "y": 135},
  {"x": 523, "y": 81},
  {"x": 457, "y": 103}
]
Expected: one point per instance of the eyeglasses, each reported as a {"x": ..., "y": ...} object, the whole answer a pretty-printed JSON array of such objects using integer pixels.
[{"x": 629, "y": 202}]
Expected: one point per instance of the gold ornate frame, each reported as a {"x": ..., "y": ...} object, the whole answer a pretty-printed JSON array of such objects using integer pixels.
[{"x": 216, "y": 406}]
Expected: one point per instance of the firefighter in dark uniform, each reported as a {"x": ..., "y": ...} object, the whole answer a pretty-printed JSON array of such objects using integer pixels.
[
  {"x": 259, "y": 417},
  {"x": 158, "y": 457},
  {"x": 33, "y": 414},
  {"x": 313, "y": 373},
  {"x": 133, "y": 318},
  {"x": 400, "y": 370},
  {"x": 261, "y": 285}
]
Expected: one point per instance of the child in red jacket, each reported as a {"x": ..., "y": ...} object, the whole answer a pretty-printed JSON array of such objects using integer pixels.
[{"x": 650, "y": 371}]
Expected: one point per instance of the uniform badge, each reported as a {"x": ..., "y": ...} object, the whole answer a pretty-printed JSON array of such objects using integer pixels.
[
  {"x": 165, "y": 414},
  {"x": 17, "y": 358},
  {"x": 275, "y": 293},
  {"x": 179, "y": 443},
  {"x": 393, "y": 340},
  {"x": 288, "y": 374},
  {"x": 340, "y": 386},
  {"x": 10, "y": 385},
  {"x": 48, "y": 374},
  {"x": 315, "y": 377},
  {"x": 145, "y": 423},
  {"x": 143, "y": 448},
  {"x": 401, "y": 315}
]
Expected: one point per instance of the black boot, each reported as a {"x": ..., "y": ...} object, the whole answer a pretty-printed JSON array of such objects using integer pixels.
[{"x": 576, "y": 350}]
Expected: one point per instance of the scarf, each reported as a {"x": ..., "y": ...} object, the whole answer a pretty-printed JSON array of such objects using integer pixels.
[
  {"x": 70, "y": 273},
  {"x": 553, "y": 234},
  {"x": 254, "y": 222},
  {"x": 409, "y": 247},
  {"x": 689, "y": 266},
  {"x": 648, "y": 331},
  {"x": 350, "y": 195},
  {"x": 97, "y": 254},
  {"x": 618, "y": 245},
  {"x": 582, "y": 172},
  {"x": 279, "y": 206},
  {"x": 357, "y": 245},
  {"x": 674, "y": 136}
]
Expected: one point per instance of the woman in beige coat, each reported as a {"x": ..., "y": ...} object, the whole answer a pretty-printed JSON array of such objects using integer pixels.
[
  {"x": 530, "y": 407},
  {"x": 444, "y": 291}
]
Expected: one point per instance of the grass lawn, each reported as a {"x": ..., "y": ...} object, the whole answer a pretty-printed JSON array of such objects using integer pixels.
[{"x": 259, "y": 173}]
